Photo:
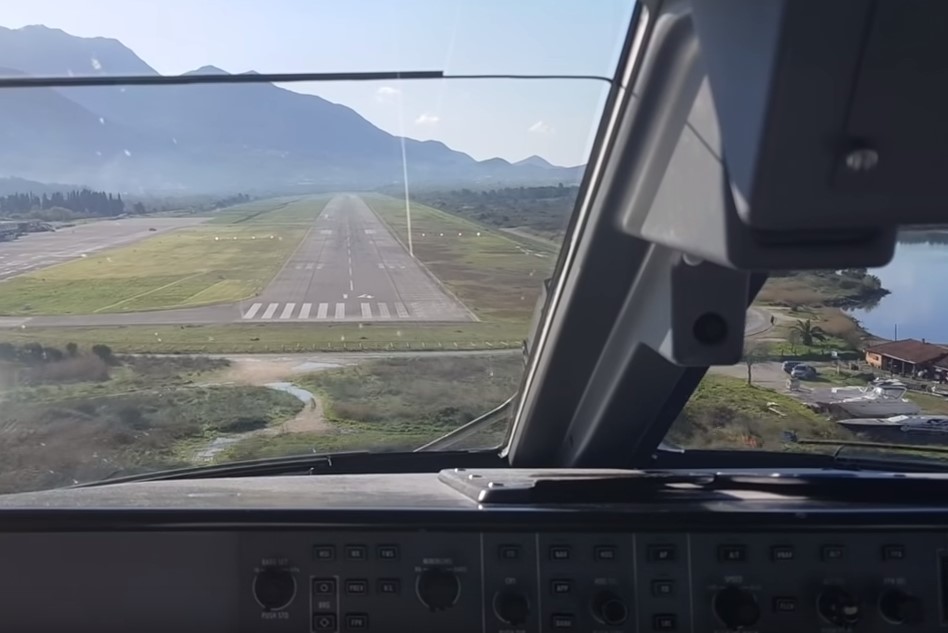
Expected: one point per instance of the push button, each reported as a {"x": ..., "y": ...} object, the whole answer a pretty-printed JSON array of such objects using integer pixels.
[
  {"x": 562, "y": 621},
  {"x": 355, "y": 552},
  {"x": 357, "y": 587},
  {"x": 324, "y": 586},
  {"x": 605, "y": 553},
  {"x": 388, "y": 552},
  {"x": 324, "y": 552},
  {"x": 661, "y": 553},
  {"x": 559, "y": 552},
  {"x": 389, "y": 586},
  {"x": 509, "y": 552},
  {"x": 324, "y": 622},
  {"x": 357, "y": 621},
  {"x": 663, "y": 588},
  {"x": 560, "y": 587}
]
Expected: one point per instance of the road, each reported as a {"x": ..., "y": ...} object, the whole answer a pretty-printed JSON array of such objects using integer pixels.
[{"x": 349, "y": 267}]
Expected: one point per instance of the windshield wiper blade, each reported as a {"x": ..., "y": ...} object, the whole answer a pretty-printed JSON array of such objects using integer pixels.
[
  {"x": 878, "y": 459},
  {"x": 354, "y": 462},
  {"x": 465, "y": 431}
]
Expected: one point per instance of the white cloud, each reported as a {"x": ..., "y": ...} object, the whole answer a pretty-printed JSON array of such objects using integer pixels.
[
  {"x": 386, "y": 93},
  {"x": 427, "y": 119},
  {"x": 540, "y": 128}
]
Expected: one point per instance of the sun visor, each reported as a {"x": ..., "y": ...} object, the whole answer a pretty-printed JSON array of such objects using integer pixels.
[{"x": 780, "y": 134}]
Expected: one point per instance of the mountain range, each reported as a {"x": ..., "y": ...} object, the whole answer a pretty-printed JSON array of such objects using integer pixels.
[{"x": 208, "y": 137}]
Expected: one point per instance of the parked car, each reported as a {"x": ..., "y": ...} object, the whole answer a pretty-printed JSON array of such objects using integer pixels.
[
  {"x": 788, "y": 365},
  {"x": 803, "y": 372}
]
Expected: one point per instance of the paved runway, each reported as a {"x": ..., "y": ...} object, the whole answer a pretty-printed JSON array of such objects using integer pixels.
[
  {"x": 348, "y": 268},
  {"x": 39, "y": 250}
]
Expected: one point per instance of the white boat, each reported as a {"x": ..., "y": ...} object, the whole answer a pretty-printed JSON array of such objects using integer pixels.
[
  {"x": 876, "y": 401},
  {"x": 901, "y": 429},
  {"x": 856, "y": 391}
]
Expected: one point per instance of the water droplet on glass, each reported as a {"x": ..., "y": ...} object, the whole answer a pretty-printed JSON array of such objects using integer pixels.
[
  {"x": 422, "y": 234},
  {"x": 174, "y": 140},
  {"x": 478, "y": 234},
  {"x": 98, "y": 153},
  {"x": 83, "y": 255},
  {"x": 253, "y": 237},
  {"x": 216, "y": 238},
  {"x": 398, "y": 333},
  {"x": 96, "y": 64},
  {"x": 442, "y": 235},
  {"x": 342, "y": 338},
  {"x": 101, "y": 120},
  {"x": 122, "y": 89},
  {"x": 127, "y": 153},
  {"x": 69, "y": 72}
]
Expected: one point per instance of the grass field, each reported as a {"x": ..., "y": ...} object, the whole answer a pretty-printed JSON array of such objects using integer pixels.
[
  {"x": 397, "y": 404},
  {"x": 141, "y": 414},
  {"x": 263, "y": 337},
  {"x": 496, "y": 274},
  {"x": 726, "y": 412},
  {"x": 228, "y": 261}
]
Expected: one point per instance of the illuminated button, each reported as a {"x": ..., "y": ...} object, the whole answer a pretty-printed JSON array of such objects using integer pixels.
[
  {"x": 357, "y": 587},
  {"x": 559, "y": 552},
  {"x": 832, "y": 553},
  {"x": 561, "y": 621},
  {"x": 732, "y": 553},
  {"x": 779, "y": 553},
  {"x": 560, "y": 587},
  {"x": 663, "y": 588},
  {"x": 355, "y": 552},
  {"x": 389, "y": 586},
  {"x": 324, "y": 586},
  {"x": 509, "y": 552},
  {"x": 605, "y": 553},
  {"x": 785, "y": 604},
  {"x": 664, "y": 622},
  {"x": 387, "y": 552},
  {"x": 893, "y": 552},
  {"x": 357, "y": 621},
  {"x": 661, "y": 553},
  {"x": 324, "y": 622},
  {"x": 324, "y": 552}
]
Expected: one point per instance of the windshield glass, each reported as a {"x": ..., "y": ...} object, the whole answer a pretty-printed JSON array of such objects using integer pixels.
[
  {"x": 837, "y": 356},
  {"x": 195, "y": 274}
]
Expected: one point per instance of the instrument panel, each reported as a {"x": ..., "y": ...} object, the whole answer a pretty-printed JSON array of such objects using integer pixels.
[{"x": 523, "y": 582}]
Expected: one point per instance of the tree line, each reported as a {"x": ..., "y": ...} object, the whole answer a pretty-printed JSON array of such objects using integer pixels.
[{"x": 80, "y": 201}]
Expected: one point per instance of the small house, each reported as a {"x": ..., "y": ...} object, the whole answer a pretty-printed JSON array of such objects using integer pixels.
[{"x": 908, "y": 356}]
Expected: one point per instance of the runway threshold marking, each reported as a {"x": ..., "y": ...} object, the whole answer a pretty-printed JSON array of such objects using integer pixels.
[
  {"x": 322, "y": 311},
  {"x": 401, "y": 311},
  {"x": 366, "y": 310},
  {"x": 268, "y": 313},
  {"x": 304, "y": 310},
  {"x": 340, "y": 311},
  {"x": 287, "y": 311},
  {"x": 383, "y": 311},
  {"x": 252, "y": 312}
]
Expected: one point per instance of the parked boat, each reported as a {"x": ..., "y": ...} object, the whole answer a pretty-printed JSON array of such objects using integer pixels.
[{"x": 901, "y": 429}]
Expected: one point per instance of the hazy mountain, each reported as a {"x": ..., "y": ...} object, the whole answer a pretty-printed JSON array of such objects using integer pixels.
[
  {"x": 535, "y": 161},
  {"x": 210, "y": 136}
]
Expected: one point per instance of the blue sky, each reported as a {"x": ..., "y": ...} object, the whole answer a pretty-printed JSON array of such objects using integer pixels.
[{"x": 555, "y": 119}]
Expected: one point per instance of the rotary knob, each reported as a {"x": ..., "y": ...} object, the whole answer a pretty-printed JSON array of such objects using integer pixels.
[
  {"x": 737, "y": 608},
  {"x": 838, "y": 606},
  {"x": 438, "y": 588},
  {"x": 274, "y": 588}
]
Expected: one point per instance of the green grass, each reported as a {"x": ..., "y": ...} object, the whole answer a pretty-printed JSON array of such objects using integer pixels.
[
  {"x": 149, "y": 414},
  {"x": 726, "y": 412},
  {"x": 496, "y": 274},
  {"x": 193, "y": 266},
  {"x": 263, "y": 337},
  {"x": 397, "y": 404}
]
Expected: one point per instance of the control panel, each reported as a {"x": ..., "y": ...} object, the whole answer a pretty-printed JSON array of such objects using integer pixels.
[{"x": 525, "y": 582}]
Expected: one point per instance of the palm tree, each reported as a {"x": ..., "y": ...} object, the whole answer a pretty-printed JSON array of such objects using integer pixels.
[{"x": 809, "y": 332}]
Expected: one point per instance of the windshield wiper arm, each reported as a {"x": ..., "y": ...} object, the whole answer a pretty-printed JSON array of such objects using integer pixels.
[
  {"x": 356, "y": 462},
  {"x": 465, "y": 431}
]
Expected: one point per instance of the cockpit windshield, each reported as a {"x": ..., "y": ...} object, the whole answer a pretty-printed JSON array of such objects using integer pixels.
[{"x": 227, "y": 266}]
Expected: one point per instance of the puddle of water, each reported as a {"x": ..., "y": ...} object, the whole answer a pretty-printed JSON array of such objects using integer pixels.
[
  {"x": 293, "y": 390},
  {"x": 218, "y": 444}
]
